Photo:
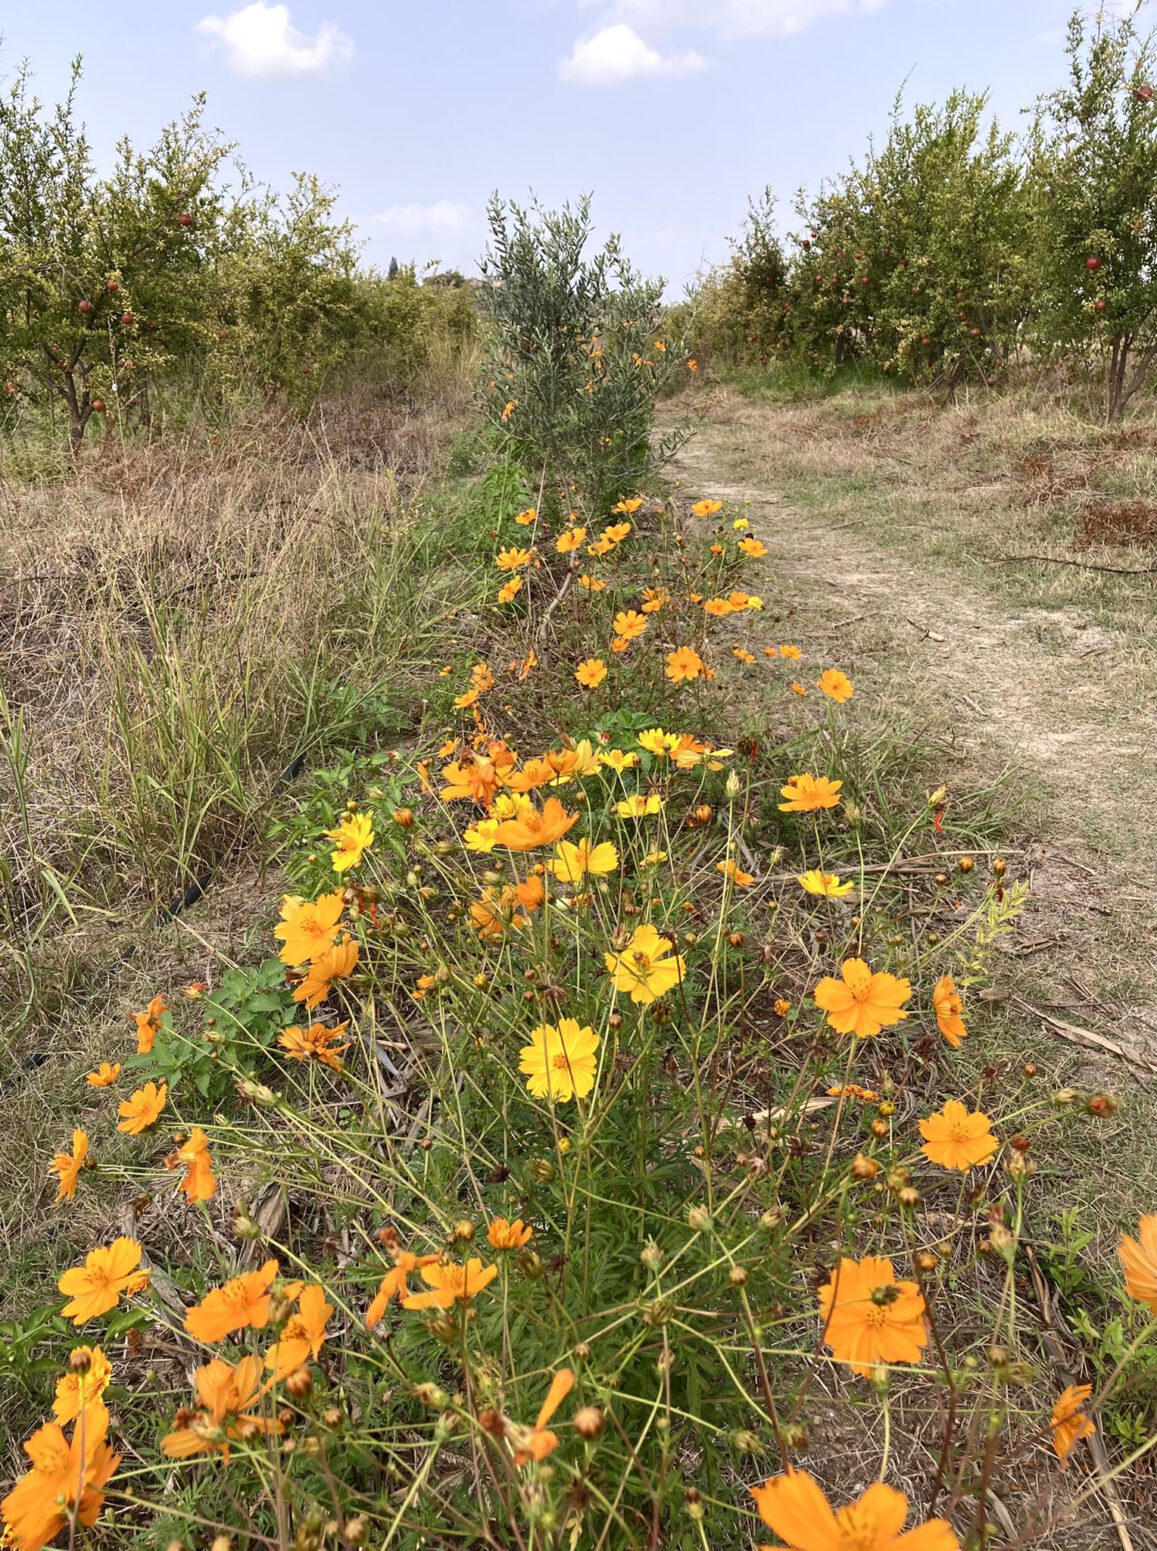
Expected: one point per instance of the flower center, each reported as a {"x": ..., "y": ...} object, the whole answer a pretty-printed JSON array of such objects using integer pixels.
[
  {"x": 642, "y": 962},
  {"x": 560, "y": 1062}
]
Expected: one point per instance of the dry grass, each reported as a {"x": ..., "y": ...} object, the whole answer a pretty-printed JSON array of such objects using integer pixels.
[{"x": 181, "y": 623}]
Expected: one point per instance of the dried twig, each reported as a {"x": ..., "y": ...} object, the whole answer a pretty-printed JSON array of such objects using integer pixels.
[{"x": 1080, "y": 565}]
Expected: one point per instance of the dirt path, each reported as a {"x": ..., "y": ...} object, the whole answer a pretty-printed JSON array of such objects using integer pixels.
[{"x": 1073, "y": 721}]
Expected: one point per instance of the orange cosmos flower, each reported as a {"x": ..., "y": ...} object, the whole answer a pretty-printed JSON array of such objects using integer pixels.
[
  {"x": 495, "y": 912},
  {"x": 645, "y": 968},
  {"x": 534, "y": 773},
  {"x": 718, "y": 608},
  {"x": 537, "y": 1442},
  {"x": 303, "y": 1335},
  {"x": 753, "y": 548},
  {"x": 616, "y": 532},
  {"x": 591, "y": 673},
  {"x": 835, "y": 685},
  {"x": 560, "y": 1063},
  {"x": 105, "y": 1075},
  {"x": 569, "y": 541},
  {"x": 957, "y": 1139},
  {"x": 684, "y": 664},
  {"x": 513, "y": 559},
  {"x": 806, "y": 793},
  {"x": 147, "y": 1023},
  {"x": 142, "y": 1109},
  {"x": 862, "y": 1003},
  {"x": 1140, "y": 1262},
  {"x": 242, "y": 1304},
  {"x": 949, "y": 1005},
  {"x": 315, "y": 1043},
  {"x": 531, "y": 893},
  {"x": 627, "y": 508},
  {"x": 225, "y": 1415},
  {"x": 308, "y": 927},
  {"x": 869, "y": 1317},
  {"x": 450, "y": 1284},
  {"x": 66, "y": 1480},
  {"x": 511, "y": 590},
  {"x": 532, "y": 828},
  {"x": 794, "y": 1508},
  {"x": 509, "y": 408},
  {"x": 95, "y": 1287},
  {"x": 792, "y": 652},
  {"x": 692, "y": 365},
  {"x": 526, "y": 518},
  {"x": 508, "y": 1235},
  {"x": 706, "y": 508},
  {"x": 67, "y": 1166},
  {"x": 743, "y": 655},
  {"x": 732, "y": 870},
  {"x": 199, "y": 1183},
  {"x": 1069, "y": 1423},
  {"x": 395, "y": 1283},
  {"x": 335, "y": 963},
  {"x": 629, "y": 624},
  {"x": 654, "y": 599}
]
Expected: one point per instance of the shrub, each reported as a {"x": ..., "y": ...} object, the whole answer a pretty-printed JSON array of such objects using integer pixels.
[{"x": 577, "y": 355}]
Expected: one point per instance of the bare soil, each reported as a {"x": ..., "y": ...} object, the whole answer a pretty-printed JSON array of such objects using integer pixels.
[{"x": 1044, "y": 691}]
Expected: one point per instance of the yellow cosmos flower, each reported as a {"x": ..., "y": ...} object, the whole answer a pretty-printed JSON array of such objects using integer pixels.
[
  {"x": 706, "y": 508},
  {"x": 352, "y": 838},
  {"x": 574, "y": 862},
  {"x": 646, "y": 968},
  {"x": 658, "y": 742},
  {"x": 618, "y": 759},
  {"x": 826, "y": 884},
  {"x": 560, "y": 1063},
  {"x": 636, "y": 806},
  {"x": 480, "y": 837},
  {"x": 88, "y": 1376}
]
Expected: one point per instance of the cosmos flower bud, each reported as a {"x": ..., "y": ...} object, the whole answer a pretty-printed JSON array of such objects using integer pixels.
[
  {"x": 651, "y": 1256},
  {"x": 732, "y": 784},
  {"x": 589, "y": 1422},
  {"x": 698, "y": 1219}
]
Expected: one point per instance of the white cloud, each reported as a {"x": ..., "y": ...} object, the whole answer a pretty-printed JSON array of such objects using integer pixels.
[
  {"x": 261, "y": 40},
  {"x": 617, "y": 53},
  {"x": 440, "y": 216},
  {"x": 743, "y": 18}
]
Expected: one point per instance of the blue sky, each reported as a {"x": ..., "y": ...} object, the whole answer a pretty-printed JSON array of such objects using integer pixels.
[{"x": 671, "y": 112}]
